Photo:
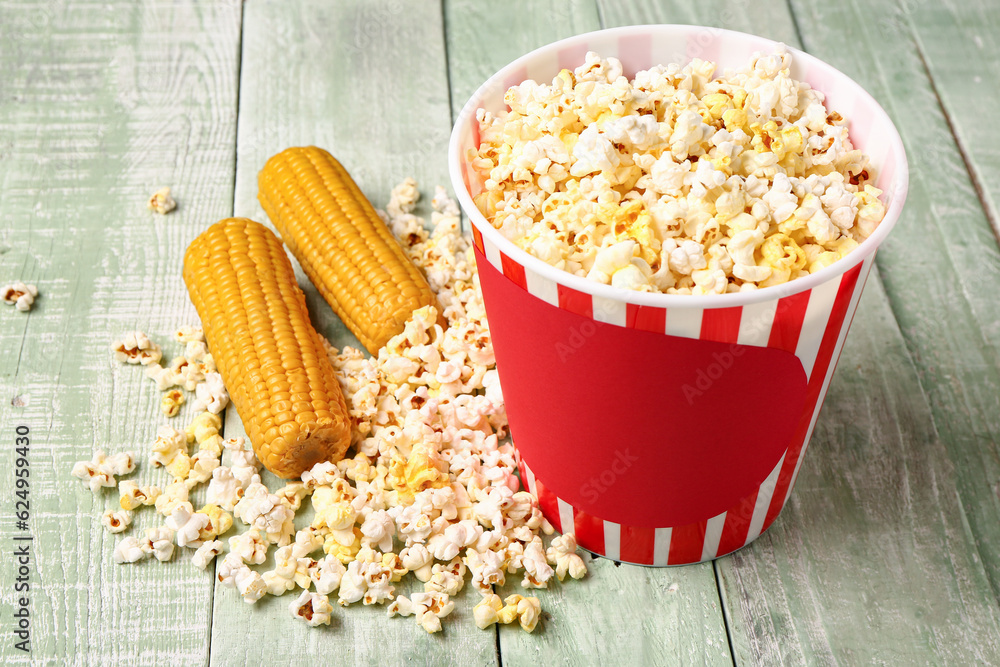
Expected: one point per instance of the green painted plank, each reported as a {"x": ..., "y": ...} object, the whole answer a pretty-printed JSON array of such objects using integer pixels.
[
  {"x": 960, "y": 46},
  {"x": 872, "y": 561},
  {"x": 628, "y": 613},
  {"x": 101, "y": 104},
  {"x": 941, "y": 266},
  {"x": 367, "y": 81}
]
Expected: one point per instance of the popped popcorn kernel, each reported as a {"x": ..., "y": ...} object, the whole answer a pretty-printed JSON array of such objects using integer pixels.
[
  {"x": 132, "y": 496},
  {"x": 171, "y": 403},
  {"x": 486, "y": 612},
  {"x": 159, "y": 542},
  {"x": 20, "y": 295},
  {"x": 101, "y": 471},
  {"x": 116, "y": 521},
  {"x": 136, "y": 348},
  {"x": 128, "y": 550},
  {"x": 313, "y": 608},
  {"x": 206, "y": 553},
  {"x": 161, "y": 202}
]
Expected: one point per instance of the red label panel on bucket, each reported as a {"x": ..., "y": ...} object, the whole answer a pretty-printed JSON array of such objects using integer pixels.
[{"x": 636, "y": 427}]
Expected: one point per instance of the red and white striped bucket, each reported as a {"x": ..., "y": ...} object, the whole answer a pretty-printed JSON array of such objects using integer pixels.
[{"x": 666, "y": 429}]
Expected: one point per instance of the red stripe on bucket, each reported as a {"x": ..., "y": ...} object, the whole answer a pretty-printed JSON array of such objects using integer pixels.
[
  {"x": 686, "y": 543},
  {"x": 721, "y": 324},
  {"x": 589, "y": 530},
  {"x": 645, "y": 318},
  {"x": 788, "y": 317},
  {"x": 637, "y": 544},
  {"x": 576, "y": 302},
  {"x": 833, "y": 328},
  {"x": 734, "y": 530},
  {"x": 477, "y": 239},
  {"x": 513, "y": 270}
]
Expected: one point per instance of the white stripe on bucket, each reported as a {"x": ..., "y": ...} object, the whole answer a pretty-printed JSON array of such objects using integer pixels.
[
  {"x": 566, "y": 516},
  {"x": 713, "y": 533},
  {"x": 683, "y": 322},
  {"x": 612, "y": 540},
  {"x": 543, "y": 288},
  {"x": 756, "y": 323},
  {"x": 530, "y": 480},
  {"x": 661, "y": 545},
  {"x": 763, "y": 502},
  {"x": 848, "y": 316},
  {"x": 610, "y": 311},
  {"x": 492, "y": 254},
  {"x": 821, "y": 301}
]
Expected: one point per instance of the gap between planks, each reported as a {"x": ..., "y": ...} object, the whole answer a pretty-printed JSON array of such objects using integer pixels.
[{"x": 959, "y": 144}]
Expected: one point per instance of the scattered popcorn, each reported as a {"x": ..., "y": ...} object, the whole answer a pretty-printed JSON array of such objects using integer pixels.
[
  {"x": 171, "y": 402},
  {"x": 250, "y": 546},
  {"x": 219, "y": 522},
  {"x": 169, "y": 444},
  {"x": 101, "y": 471},
  {"x": 327, "y": 574},
  {"x": 211, "y": 395},
  {"x": 526, "y": 609},
  {"x": 204, "y": 426},
  {"x": 313, "y": 608},
  {"x": 136, "y": 348},
  {"x": 430, "y": 608},
  {"x": 188, "y": 334},
  {"x": 187, "y": 524},
  {"x": 159, "y": 542},
  {"x": 485, "y": 613},
  {"x": 430, "y": 475},
  {"x": 131, "y": 495},
  {"x": 231, "y": 565},
  {"x": 19, "y": 295},
  {"x": 562, "y": 554},
  {"x": 173, "y": 496},
  {"x": 128, "y": 550},
  {"x": 249, "y": 584},
  {"x": 679, "y": 180},
  {"x": 161, "y": 202},
  {"x": 116, "y": 521},
  {"x": 206, "y": 553}
]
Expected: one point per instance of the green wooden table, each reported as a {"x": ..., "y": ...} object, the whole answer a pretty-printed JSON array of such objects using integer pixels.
[{"x": 889, "y": 550}]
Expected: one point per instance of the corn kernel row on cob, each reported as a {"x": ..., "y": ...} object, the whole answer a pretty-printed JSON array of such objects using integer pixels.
[
  {"x": 344, "y": 247},
  {"x": 270, "y": 357}
]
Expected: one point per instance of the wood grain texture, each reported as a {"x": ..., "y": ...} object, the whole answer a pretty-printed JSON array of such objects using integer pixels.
[
  {"x": 871, "y": 561},
  {"x": 368, "y": 82},
  {"x": 960, "y": 46},
  {"x": 629, "y": 614},
  {"x": 941, "y": 266},
  {"x": 101, "y": 104}
]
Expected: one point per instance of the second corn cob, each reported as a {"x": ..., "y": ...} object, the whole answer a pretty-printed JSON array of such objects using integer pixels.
[
  {"x": 344, "y": 247},
  {"x": 271, "y": 359}
]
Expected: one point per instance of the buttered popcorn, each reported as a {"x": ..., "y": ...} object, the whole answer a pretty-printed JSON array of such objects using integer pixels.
[
  {"x": 677, "y": 180},
  {"x": 429, "y": 487}
]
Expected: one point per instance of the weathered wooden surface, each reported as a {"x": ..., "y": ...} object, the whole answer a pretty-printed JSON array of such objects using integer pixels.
[
  {"x": 101, "y": 104},
  {"x": 888, "y": 550}
]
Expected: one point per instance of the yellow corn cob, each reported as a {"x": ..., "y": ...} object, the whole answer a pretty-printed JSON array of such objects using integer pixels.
[
  {"x": 343, "y": 246},
  {"x": 270, "y": 357}
]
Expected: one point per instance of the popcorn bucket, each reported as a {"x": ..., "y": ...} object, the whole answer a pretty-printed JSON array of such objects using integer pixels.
[{"x": 666, "y": 429}]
